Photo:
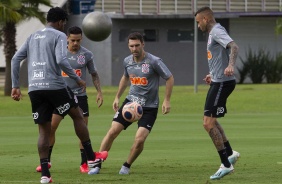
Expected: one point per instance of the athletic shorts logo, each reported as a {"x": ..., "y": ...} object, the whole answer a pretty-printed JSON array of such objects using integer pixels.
[
  {"x": 64, "y": 108},
  {"x": 116, "y": 114},
  {"x": 35, "y": 115},
  {"x": 220, "y": 110}
]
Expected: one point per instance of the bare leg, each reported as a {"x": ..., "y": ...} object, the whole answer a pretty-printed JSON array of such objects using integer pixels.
[
  {"x": 43, "y": 139},
  {"x": 113, "y": 132},
  {"x": 214, "y": 132},
  {"x": 138, "y": 145},
  {"x": 219, "y": 127}
]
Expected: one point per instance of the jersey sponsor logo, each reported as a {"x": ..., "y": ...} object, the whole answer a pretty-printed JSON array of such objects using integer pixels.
[
  {"x": 220, "y": 110},
  {"x": 209, "y": 54},
  {"x": 35, "y": 115},
  {"x": 38, "y": 74},
  {"x": 209, "y": 39},
  {"x": 72, "y": 58},
  {"x": 38, "y": 36},
  {"x": 137, "y": 99},
  {"x": 139, "y": 81},
  {"x": 76, "y": 71},
  {"x": 34, "y": 63},
  {"x": 81, "y": 59},
  {"x": 39, "y": 84},
  {"x": 64, "y": 108},
  {"x": 145, "y": 68}
]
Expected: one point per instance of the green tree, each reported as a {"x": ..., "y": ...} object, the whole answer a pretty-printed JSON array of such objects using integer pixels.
[
  {"x": 13, "y": 12},
  {"x": 278, "y": 27}
]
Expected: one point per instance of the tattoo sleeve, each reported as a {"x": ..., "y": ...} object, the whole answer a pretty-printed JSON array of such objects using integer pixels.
[
  {"x": 216, "y": 138},
  {"x": 221, "y": 131},
  {"x": 233, "y": 53},
  {"x": 96, "y": 81}
]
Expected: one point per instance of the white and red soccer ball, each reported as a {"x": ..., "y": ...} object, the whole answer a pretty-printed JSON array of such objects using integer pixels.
[{"x": 132, "y": 111}]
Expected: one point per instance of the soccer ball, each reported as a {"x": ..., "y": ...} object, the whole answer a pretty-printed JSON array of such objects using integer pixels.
[
  {"x": 97, "y": 26},
  {"x": 132, "y": 111}
]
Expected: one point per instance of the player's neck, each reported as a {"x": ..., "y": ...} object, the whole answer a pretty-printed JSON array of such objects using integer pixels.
[
  {"x": 141, "y": 58},
  {"x": 73, "y": 51}
]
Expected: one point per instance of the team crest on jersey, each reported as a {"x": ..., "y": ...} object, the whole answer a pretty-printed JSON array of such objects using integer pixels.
[
  {"x": 81, "y": 59},
  {"x": 145, "y": 68}
]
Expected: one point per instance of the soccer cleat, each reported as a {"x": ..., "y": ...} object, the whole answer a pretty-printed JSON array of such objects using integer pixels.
[
  {"x": 234, "y": 157},
  {"x": 84, "y": 168},
  {"x": 95, "y": 170},
  {"x": 101, "y": 155},
  {"x": 38, "y": 169},
  {"x": 45, "y": 179},
  {"x": 92, "y": 164},
  {"x": 222, "y": 171},
  {"x": 124, "y": 170}
]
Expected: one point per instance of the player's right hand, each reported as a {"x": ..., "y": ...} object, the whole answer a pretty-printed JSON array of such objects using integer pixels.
[
  {"x": 115, "y": 105},
  {"x": 207, "y": 79},
  {"x": 16, "y": 94}
]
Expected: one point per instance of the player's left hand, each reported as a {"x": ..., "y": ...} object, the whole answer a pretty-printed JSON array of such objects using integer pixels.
[
  {"x": 229, "y": 71},
  {"x": 166, "y": 107}
]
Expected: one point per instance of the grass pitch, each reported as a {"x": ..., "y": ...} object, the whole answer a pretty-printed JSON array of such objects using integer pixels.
[{"x": 177, "y": 151}]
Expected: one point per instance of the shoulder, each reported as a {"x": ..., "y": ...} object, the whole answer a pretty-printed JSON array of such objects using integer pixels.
[
  {"x": 128, "y": 60},
  {"x": 152, "y": 59},
  {"x": 86, "y": 52}
]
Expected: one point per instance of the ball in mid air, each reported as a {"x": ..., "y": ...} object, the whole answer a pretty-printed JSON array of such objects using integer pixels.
[
  {"x": 97, "y": 26},
  {"x": 132, "y": 111}
]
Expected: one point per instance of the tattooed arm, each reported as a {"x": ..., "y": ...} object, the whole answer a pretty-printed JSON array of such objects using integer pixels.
[
  {"x": 96, "y": 82},
  {"x": 232, "y": 58}
]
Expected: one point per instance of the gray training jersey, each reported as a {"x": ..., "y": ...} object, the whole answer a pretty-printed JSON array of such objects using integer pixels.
[
  {"x": 46, "y": 52},
  {"x": 79, "y": 62},
  {"x": 218, "y": 54},
  {"x": 144, "y": 77}
]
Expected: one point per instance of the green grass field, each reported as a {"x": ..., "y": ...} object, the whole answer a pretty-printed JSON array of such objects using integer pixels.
[{"x": 177, "y": 151}]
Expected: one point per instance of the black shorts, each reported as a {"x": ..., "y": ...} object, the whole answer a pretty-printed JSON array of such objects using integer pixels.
[
  {"x": 216, "y": 98},
  {"x": 147, "y": 120},
  {"x": 45, "y": 102},
  {"x": 83, "y": 104}
]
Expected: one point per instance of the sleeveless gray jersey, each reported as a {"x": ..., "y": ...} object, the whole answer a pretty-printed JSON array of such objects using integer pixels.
[
  {"x": 218, "y": 54},
  {"x": 46, "y": 52},
  {"x": 79, "y": 62},
  {"x": 144, "y": 77}
]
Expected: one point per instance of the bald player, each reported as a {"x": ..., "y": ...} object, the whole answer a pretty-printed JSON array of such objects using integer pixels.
[{"x": 222, "y": 52}]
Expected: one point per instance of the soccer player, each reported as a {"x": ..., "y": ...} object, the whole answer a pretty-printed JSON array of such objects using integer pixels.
[
  {"x": 46, "y": 54},
  {"x": 222, "y": 52},
  {"x": 80, "y": 59},
  {"x": 143, "y": 70}
]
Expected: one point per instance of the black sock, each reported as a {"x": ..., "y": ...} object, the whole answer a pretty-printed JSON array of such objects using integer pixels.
[
  {"x": 126, "y": 164},
  {"x": 224, "y": 158},
  {"x": 88, "y": 150},
  {"x": 44, "y": 167},
  {"x": 83, "y": 156},
  {"x": 99, "y": 165},
  {"x": 228, "y": 148},
  {"x": 50, "y": 152}
]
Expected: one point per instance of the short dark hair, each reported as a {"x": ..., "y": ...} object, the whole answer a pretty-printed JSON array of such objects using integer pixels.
[
  {"x": 74, "y": 30},
  {"x": 204, "y": 9},
  {"x": 56, "y": 14},
  {"x": 135, "y": 36}
]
